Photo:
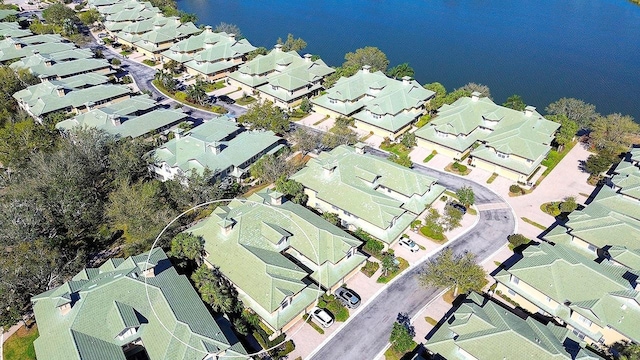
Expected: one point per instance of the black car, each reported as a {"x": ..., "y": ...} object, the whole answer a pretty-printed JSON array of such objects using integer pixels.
[
  {"x": 459, "y": 207},
  {"x": 226, "y": 99}
]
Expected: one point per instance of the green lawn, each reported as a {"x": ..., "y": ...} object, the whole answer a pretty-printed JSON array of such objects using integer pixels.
[
  {"x": 214, "y": 86},
  {"x": 245, "y": 100},
  {"x": 553, "y": 159},
  {"x": 397, "y": 149},
  {"x": 20, "y": 345}
]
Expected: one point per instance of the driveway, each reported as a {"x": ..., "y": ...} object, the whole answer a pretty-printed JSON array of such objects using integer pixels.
[{"x": 367, "y": 334}]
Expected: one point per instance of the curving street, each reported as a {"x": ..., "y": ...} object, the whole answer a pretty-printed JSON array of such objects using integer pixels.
[{"x": 367, "y": 334}]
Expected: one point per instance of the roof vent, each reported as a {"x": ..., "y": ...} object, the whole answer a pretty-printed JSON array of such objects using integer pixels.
[
  {"x": 475, "y": 96},
  {"x": 528, "y": 111},
  {"x": 366, "y": 69}
]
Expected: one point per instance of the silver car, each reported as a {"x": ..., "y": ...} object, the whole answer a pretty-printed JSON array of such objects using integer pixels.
[
  {"x": 348, "y": 297},
  {"x": 322, "y": 317}
]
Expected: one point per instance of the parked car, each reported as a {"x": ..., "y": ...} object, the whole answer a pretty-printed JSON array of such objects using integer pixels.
[
  {"x": 409, "y": 244},
  {"x": 186, "y": 76},
  {"x": 348, "y": 297},
  {"x": 100, "y": 42},
  {"x": 322, "y": 317},
  {"x": 213, "y": 99},
  {"x": 226, "y": 99},
  {"x": 458, "y": 207},
  {"x": 102, "y": 35}
]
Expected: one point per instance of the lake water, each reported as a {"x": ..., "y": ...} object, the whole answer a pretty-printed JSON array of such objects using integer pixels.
[{"x": 539, "y": 49}]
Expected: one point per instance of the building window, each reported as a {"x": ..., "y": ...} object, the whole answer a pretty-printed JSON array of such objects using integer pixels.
[
  {"x": 514, "y": 280},
  {"x": 579, "y": 334},
  {"x": 511, "y": 292},
  {"x": 441, "y": 134},
  {"x": 377, "y": 116},
  {"x": 333, "y": 101},
  {"x": 592, "y": 248},
  {"x": 286, "y": 302},
  {"x": 584, "y": 320},
  {"x": 548, "y": 299},
  {"x": 502, "y": 155}
]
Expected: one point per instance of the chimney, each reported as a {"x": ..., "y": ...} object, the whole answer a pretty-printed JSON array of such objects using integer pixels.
[
  {"x": 232, "y": 37},
  {"x": 115, "y": 120},
  {"x": 208, "y": 45},
  {"x": 366, "y": 69},
  {"x": 215, "y": 147},
  {"x": 360, "y": 148},
  {"x": 148, "y": 270},
  {"x": 278, "y": 47},
  {"x": 406, "y": 80},
  {"x": 528, "y": 111},
  {"x": 48, "y": 63},
  {"x": 64, "y": 304},
  {"x": 18, "y": 45},
  {"x": 35, "y": 52},
  {"x": 208, "y": 29},
  {"x": 60, "y": 91},
  {"x": 7, "y": 37},
  {"x": 276, "y": 197},
  {"x": 328, "y": 169},
  {"x": 307, "y": 57},
  {"x": 475, "y": 96},
  {"x": 226, "y": 225}
]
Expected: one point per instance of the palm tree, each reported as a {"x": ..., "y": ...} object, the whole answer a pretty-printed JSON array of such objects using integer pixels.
[
  {"x": 400, "y": 71},
  {"x": 196, "y": 93}
]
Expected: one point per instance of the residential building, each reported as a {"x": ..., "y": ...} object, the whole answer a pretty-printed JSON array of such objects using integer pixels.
[
  {"x": 133, "y": 308},
  {"x": 216, "y": 56},
  {"x": 119, "y": 15},
  {"x": 599, "y": 302},
  {"x": 162, "y": 37},
  {"x": 500, "y": 140},
  {"x": 51, "y": 96},
  {"x": 626, "y": 175},
  {"x": 611, "y": 220},
  {"x": 381, "y": 105},
  {"x": 484, "y": 330},
  {"x": 367, "y": 192},
  {"x": 219, "y": 145},
  {"x": 17, "y": 48},
  {"x": 279, "y": 255},
  {"x": 6, "y": 14},
  {"x": 133, "y": 117},
  {"x": 46, "y": 67},
  {"x": 282, "y": 77},
  {"x": 13, "y": 30}
]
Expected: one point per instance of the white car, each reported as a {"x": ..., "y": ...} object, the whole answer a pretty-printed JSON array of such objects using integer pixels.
[
  {"x": 186, "y": 76},
  {"x": 409, "y": 244},
  {"x": 322, "y": 317}
]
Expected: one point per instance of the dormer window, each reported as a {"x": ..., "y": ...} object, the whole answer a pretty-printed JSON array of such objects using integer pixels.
[
  {"x": 286, "y": 302},
  {"x": 376, "y": 116},
  {"x": 126, "y": 333},
  {"x": 502, "y": 155},
  {"x": 274, "y": 88},
  {"x": 514, "y": 280},
  {"x": 333, "y": 101},
  {"x": 441, "y": 134}
]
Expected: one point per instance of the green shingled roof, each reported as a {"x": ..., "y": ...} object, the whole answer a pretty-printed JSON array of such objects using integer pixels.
[
  {"x": 525, "y": 134},
  {"x": 626, "y": 177},
  {"x": 236, "y": 149},
  {"x": 487, "y": 331},
  {"x": 11, "y": 49},
  {"x": 112, "y": 299},
  {"x": 358, "y": 183},
  {"x": 569, "y": 278},
  {"x": 253, "y": 260},
  {"x": 42, "y": 66},
  {"x": 377, "y": 99}
]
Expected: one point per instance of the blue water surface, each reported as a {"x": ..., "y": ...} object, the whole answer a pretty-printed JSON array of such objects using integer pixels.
[{"x": 539, "y": 49}]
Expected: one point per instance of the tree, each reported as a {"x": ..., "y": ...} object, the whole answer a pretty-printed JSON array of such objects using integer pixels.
[
  {"x": 466, "y": 196},
  {"x": 270, "y": 167},
  {"x": 401, "y": 339},
  {"x": 21, "y": 140},
  {"x": 216, "y": 290},
  {"x": 568, "y": 205},
  {"x": 305, "y": 105},
  {"x": 614, "y": 133},
  {"x": 187, "y": 250},
  {"x": 597, "y": 164},
  {"x": 576, "y": 110},
  {"x": 293, "y": 189},
  {"x": 186, "y": 17},
  {"x": 371, "y": 56},
  {"x": 402, "y": 159},
  {"x": 229, "y": 29},
  {"x": 57, "y": 13},
  {"x": 408, "y": 140},
  {"x": 305, "y": 140},
  {"x": 567, "y": 131},
  {"x": 266, "y": 116},
  {"x": 627, "y": 350},
  {"x": 458, "y": 271},
  {"x": 438, "y": 100},
  {"x": 331, "y": 218},
  {"x": 196, "y": 93},
  {"x": 452, "y": 218},
  {"x": 342, "y": 71},
  {"x": 139, "y": 212},
  {"x": 339, "y": 134},
  {"x": 292, "y": 44},
  {"x": 172, "y": 66},
  {"x": 389, "y": 264},
  {"x": 473, "y": 87},
  {"x": 515, "y": 102},
  {"x": 451, "y": 97},
  {"x": 432, "y": 221},
  {"x": 127, "y": 159},
  {"x": 518, "y": 240},
  {"x": 258, "y": 51},
  {"x": 89, "y": 17},
  {"x": 400, "y": 71}
]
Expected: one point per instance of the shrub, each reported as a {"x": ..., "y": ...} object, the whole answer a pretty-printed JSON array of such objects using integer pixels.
[
  {"x": 444, "y": 198},
  {"x": 459, "y": 167},
  {"x": 180, "y": 96},
  {"x": 338, "y": 310},
  {"x": 286, "y": 349},
  {"x": 149, "y": 62},
  {"x": 515, "y": 189},
  {"x": 127, "y": 79},
  {"x": 115, "y": 62},
  {"x": 518, "y": 240},
  {"x": 370, "y": 268}
]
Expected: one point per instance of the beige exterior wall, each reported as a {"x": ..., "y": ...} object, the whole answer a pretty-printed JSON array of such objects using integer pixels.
[
  {"x": 524, "y": 303},
  {"x": 353, "y": 222},
  {"x": 236, "y": 84},
  {"x": 379, "y": 131},
  {"x": 345, "y": 279},
  {"x": 425, "y": 144},
  {"x": 501, "y": 171}
]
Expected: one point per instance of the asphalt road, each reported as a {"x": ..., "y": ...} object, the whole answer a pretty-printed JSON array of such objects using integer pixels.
[{"x": 367, "y": 334}]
